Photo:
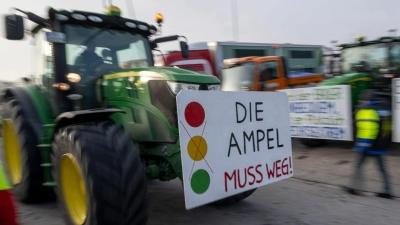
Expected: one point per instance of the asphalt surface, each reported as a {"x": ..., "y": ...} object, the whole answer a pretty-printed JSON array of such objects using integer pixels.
[
  {"x": 293, "y": 201},
  {"x": 290, "y": 201}
]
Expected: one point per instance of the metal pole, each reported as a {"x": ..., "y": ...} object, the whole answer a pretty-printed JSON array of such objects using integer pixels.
[
  {"x": 131, "y": 9},
  {"x": 235, "y": 25}
]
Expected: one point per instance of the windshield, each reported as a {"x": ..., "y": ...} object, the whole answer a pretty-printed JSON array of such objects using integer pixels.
[
  {"x": 369, "y": 58},
  {"x": 395, "y": 56},
  {"x": 238, "y": 78},
  {"x": 89, "y": 47}
]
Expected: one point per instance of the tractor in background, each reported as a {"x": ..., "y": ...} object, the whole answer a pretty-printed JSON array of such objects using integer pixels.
[{"x": 366, "y": 65}]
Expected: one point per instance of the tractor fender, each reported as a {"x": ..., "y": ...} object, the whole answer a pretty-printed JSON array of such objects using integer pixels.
[
  {"x": 28, "y": 106},
  {"x": 83, "y": 116}
]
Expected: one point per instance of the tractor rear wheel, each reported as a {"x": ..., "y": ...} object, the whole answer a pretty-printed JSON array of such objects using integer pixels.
[
  {"x": 233, "y": 199},
  {"x": 99, "y": 174},
  {"x": 22, "y": 157}
]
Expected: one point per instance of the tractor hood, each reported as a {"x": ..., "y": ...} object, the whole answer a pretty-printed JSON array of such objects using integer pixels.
[
  {"x": 344, "y": 79},
  {"x": 164, "y": 73}
]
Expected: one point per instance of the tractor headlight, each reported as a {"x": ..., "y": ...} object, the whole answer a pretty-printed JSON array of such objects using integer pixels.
[
  {"x": 73, "y": 77},
  {"x": 176, "y": 87},
  {"x": 214, "y": 87}
]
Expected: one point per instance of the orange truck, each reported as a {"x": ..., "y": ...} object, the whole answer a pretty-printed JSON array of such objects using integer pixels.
[{"x": 266, "y": 73}]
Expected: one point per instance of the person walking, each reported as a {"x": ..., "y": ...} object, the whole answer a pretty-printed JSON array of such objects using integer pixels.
[
  {"x": 7, "y": 207},
  {"x": 373, "y": 126}
]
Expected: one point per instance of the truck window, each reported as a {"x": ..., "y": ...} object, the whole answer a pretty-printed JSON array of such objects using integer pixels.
[
  {"x": 269, "y": 71},
  {"x": 239, "y": 53},
  {"x": 296, "y": 54}
]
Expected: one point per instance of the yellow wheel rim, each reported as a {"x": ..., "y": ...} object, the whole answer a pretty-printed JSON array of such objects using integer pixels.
[
  {"x": 73, "y": 188},
  {"x": 12, "y": 151}
]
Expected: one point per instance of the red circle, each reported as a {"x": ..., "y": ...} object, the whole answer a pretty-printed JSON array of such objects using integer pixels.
[{"x": 194, "y": 114}]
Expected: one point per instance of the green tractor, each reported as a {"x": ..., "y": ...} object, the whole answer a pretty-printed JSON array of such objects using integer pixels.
[
  {"x": 366, "y": 65},
  {"x": 90, "y": 129}
]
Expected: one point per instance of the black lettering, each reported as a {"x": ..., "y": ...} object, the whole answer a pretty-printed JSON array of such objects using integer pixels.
[
  {"x": 237, "y": 113},
  {"x": 257, "y": 111},
  {"x": 248, "y": 138},
  {"x": 250, "y": 111},
  {"x": 258, "y": 138},
  {"x": 233, "y": 145},
  {"x": 269, "y": 139},
  {"x": 277, "y": 139}
]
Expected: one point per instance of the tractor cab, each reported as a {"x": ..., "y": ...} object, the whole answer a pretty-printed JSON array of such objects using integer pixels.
[
  {"x": 368, "y": 64},
  {"x": 74, "y": 50}
]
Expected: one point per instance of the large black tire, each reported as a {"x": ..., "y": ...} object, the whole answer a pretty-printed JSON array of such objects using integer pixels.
[
  {"x": 112, "y": 173},
  {"x": 313, "y": 142},
  {"x": 233, "y": 199},
  {"x": 30, "y": 189}
]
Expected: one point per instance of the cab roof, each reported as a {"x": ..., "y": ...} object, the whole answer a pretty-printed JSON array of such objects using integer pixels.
[{"x": 384, "y": 39}]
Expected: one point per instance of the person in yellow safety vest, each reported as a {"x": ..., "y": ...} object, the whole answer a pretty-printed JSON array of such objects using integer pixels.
[
  {"x": 373, "y": 125},
  {"x": 7, "y": 208}
]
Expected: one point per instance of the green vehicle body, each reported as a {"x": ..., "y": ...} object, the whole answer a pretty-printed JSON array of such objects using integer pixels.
[
  {"x": 150, "y": 113},
  {"x": 358, "y": 82},
  {"x": 362, "y": 80}
]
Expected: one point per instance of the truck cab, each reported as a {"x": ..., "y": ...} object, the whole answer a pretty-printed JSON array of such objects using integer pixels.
[{"x": 267, "y": 73}]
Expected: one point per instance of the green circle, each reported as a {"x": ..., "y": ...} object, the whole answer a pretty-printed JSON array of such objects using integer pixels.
[{"x": 200, "y": 181}]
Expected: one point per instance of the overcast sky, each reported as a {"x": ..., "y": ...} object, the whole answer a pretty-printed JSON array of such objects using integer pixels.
[{"x": 272, "y": 21}]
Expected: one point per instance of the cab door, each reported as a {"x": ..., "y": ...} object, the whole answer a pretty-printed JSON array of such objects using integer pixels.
[{"x": 269, "y": 76}]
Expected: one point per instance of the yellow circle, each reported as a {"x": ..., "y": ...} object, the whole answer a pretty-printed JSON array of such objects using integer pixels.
[
  {"x": 12, "y": 152},
  {"x": 73, "y": 189},
  {"x": 197, "y": 148}
]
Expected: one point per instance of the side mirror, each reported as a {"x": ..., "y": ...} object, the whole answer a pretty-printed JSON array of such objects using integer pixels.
[
  {"x": 14, "y": 25},
  {"x": 166, "y": 39},
  {"x": 184, "y": 49}
]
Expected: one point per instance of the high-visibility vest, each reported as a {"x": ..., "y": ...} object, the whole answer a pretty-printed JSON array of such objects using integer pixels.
[
  {"x": 367, "y": 124},
  {"x": 4, "y": 183}
]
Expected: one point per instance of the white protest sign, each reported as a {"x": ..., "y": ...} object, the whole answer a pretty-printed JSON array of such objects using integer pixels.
[
  {"x": 396, "y": 109},
  {"x": 232, "y": 142},
  {"x": 321, "y": 112}
]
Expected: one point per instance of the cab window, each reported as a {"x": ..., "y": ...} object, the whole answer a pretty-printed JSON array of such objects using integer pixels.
[{"x": 268, "y": 71}]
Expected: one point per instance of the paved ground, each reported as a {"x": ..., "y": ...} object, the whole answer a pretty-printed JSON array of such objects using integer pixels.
[
  {"x": 333, "y": 164},
  {"x": 313, "y": 196}
]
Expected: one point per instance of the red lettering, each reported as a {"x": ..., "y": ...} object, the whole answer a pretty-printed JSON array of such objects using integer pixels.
[
  {"x": 271, "y": 173},
  {"x": 285, "y": 167},
  {"x": 233, "y": 177},
  {"x": 277, "y": 168},
  {"x": 258, "y": 171},
  {"x": 252, "y": 175},
  {"x": 245, "y": 178}
]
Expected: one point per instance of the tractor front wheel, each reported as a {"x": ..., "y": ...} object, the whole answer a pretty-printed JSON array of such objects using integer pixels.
[{"x": 99, "y": 174}]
